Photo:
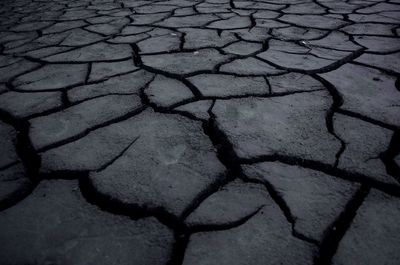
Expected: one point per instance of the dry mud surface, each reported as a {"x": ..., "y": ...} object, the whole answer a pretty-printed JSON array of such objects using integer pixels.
[{"x": 200, "y": 132}]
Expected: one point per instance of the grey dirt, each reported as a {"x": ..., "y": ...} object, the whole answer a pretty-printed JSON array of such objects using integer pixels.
[{"x": 203, "y": 132}]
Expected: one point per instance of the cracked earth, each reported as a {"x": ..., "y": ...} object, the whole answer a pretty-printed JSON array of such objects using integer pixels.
[{"x": 200, "y": 132}]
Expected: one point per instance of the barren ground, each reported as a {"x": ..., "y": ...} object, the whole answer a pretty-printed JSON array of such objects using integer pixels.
[{"x": 209, "y": 132}]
